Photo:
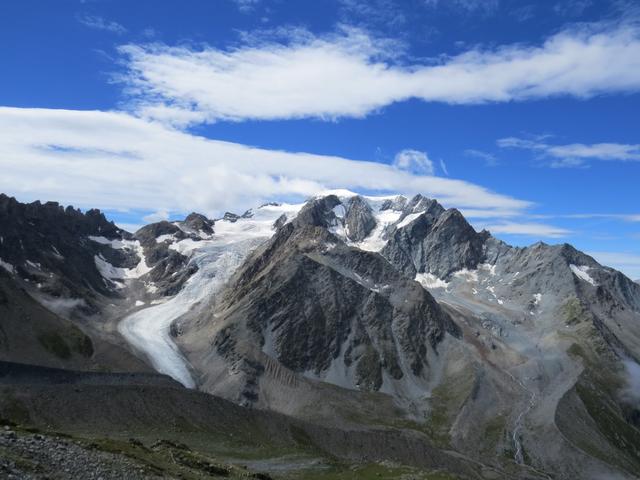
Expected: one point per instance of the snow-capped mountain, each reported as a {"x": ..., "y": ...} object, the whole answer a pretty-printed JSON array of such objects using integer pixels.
[{"x": 364, "y": 311}]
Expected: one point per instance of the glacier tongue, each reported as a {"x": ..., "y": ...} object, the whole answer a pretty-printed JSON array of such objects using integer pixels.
[{"x": 148, "y": 330}]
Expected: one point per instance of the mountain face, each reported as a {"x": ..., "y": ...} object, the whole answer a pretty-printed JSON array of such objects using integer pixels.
[
  {"x": 319, "y": 306},
  {"x": 369, "y": 312}
]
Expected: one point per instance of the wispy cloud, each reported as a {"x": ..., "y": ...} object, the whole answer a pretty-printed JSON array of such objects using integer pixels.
[
  {"x": 375, "y": 12},
  {"x": 535, "y": 230},
  {"x": 246, "y": 6},
  {"x": 575, "y": 154},
  {"x": 572, "y": 8},
  {"x": 116, "y": 161},
  {"x": 605, "y": 216},
  {"x": 490, "y": 160},
  {"x": 99, "y": 23},
  {"x": 352, "y": 74},
  {"x": 443, "y": 167}
]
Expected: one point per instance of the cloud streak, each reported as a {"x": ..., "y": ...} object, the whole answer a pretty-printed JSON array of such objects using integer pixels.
[
  {"x": 536, "y": 230},
  {"x": 629, "y": 263},
  {"x": 490, "y": 160},
  {"x": 351, "y": 74},
  {"x": 575, "y": 154},
  {"x": 114, "y": 161},
  {"x": 99, "y": 23}
]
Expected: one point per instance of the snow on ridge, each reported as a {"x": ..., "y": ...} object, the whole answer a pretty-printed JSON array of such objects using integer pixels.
[
  {"x": 408, "y": 219},
  {"x": 581, "y": 271}
]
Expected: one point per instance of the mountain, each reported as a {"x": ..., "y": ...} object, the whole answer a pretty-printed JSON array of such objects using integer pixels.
[{"x": 388, "y": 316}]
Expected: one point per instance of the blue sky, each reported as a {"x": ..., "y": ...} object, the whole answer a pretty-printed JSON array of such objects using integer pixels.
[{"x": 522, "y": 114}]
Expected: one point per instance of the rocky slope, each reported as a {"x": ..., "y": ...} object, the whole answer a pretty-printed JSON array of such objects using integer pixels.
[{"x": 382, "y": 314}]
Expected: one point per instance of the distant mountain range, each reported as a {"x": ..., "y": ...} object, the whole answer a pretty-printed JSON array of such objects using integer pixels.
[{"x": 385, "y": 326}]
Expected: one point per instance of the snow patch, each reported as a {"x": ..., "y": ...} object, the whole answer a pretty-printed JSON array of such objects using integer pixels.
[
  {"x": 430, "y": 281},
  {"x": 467, "y": 275},
  {"x": 7, "y": 266},
  {"x": 582, "y": 273},
  {"x": 56, "y": 253},
  {"x": 376, "y": 241},
  {"x": 107, "y": 270},
  {"x": 120, "y": 273},
  {"x": 139, "y": 303},
  {"x": 167, "y": 237},
  {"x": 339, "y": 211}
]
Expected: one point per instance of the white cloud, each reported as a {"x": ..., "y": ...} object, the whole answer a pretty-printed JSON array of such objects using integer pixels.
[
  {"x": 413, "y": 161},
  {"x": 538, "y": 230},
  {"x": 575, "y": 154},
  {"x": 114, "y": 161},
  {"x": 351, "y": 74},
  {"x": 628, "y": 263},
  {"x": 99, "y": 23}
]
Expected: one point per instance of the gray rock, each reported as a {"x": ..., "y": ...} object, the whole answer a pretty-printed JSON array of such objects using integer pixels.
[{"x": 359, "y": 220}]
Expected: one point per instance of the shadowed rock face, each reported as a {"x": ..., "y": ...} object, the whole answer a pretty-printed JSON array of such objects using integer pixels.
[
  {"x": 199, "y": 223},
  {"x": 168, "y": 267},
  {"x": 359, "y": 219},
  {"x": 319, "y": 212},
  {"x": 433, "y": 240},
  {"x": 47, "y": 244}
]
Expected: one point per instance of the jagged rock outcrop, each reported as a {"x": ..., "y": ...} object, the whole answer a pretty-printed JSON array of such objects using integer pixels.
[
  {"x": 428, "y": 238},
  {"x": 197, "y": 223},
  {"x": 48, "y": 246},
  {"x": 168, "y": 267},
  {"x": 359, "y": 220}
]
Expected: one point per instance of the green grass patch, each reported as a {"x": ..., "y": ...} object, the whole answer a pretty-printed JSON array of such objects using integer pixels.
[
  {"x": 63, "y": 345},
  {"x": 573, "y": 312}
]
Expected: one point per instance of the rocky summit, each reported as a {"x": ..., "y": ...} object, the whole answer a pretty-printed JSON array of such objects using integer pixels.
[{"x": 347, "y": 335}]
